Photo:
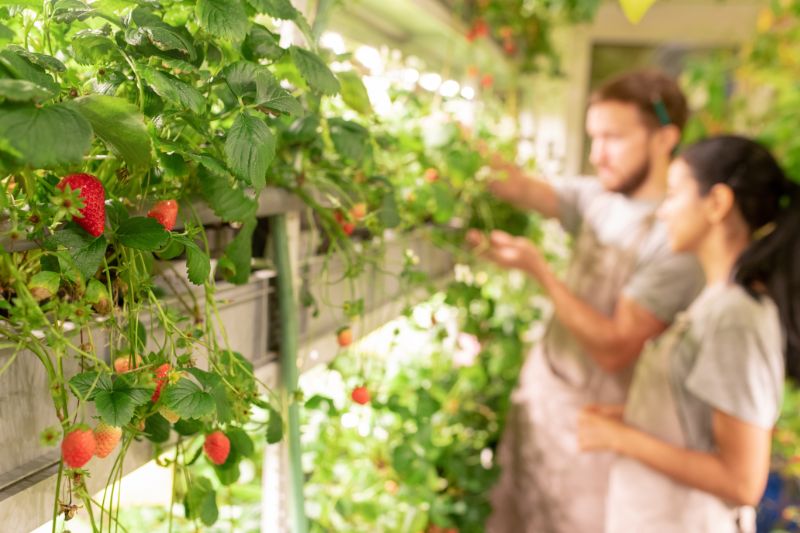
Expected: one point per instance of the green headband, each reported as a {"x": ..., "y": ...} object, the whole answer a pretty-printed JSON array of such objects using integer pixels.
[{"x": 661, "y": 111}]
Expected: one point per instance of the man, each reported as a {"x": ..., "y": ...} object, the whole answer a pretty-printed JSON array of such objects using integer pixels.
[{"x": 623, "y": 287}]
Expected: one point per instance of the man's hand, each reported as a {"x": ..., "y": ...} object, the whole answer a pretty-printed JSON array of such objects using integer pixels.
[
  {"x": 514, "y": 187},
  {"x": 508, "y": 251}
]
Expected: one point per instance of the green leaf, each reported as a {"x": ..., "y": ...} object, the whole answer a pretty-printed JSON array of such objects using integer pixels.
[
  {"x": 241, "y": 443},
  {"x": 152, "y": 30},
  {"x": 389, "y": 213},
  {"x": 222, "y": 404},
  {"x": 142, "y": 233},
  {"x": 66, "y": 11},
  {"x": 201, "y": 501},
  {"x": 6, "y": 33},
  {"x": 188, "y": 427},
  {"x": 188, "y": 400},
  {"x": 314, "y": 71},
  {"x": 85, "y": 252},
  {"x": 279, "y": 9},
  {"x": 240, "y": 253},
  {"x": 250, "y": 148},
  {"x": 93, "y": 46},
  {"x": 120, "y": 125},
  {"x": 116, "y": 405},
  {"x": 274, "y": 427},
  {"x": 46, "y": 137},
  {"x": 23, "y": 91},
  {"x": 174, "y": 90},
  {"x": 44, "y": 61},
  {"x": 156, "y": 428},
  {"x": 229, "y": 203},
  {"x": 21, "y": 68},
  {"x": 198, "y": 264},
  {"x": 86, "y": 384},
  {"x": 272, "y": 96},
  {"x": 261, "y": 43},
  {"x": 350, "y": 139},
  {"x": 240, "y": 77},
  {"x": 228, "y": 473},
  {"x": 354, "y": 93},
  {"x": 635, "y": 9},
  {"x": 222, "y": 18}
]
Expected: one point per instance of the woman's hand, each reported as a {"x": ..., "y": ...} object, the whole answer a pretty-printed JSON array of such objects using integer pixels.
[{"x": 600, "y": 428}]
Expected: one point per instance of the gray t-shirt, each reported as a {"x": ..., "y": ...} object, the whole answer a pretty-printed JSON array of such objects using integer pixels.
[
  {"x": 724, "y": 353},
  {"x": 620, "y": 249}
]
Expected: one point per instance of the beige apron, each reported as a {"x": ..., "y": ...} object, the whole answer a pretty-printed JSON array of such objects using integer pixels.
[
  {"x": 547, "y": 485},
  {"x": 641, "y": 499}
]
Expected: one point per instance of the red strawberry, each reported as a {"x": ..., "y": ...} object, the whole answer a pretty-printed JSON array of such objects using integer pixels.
[
  {"x": 472, "y": 71},
  {"x": 360, "y": 395},
  {"x": 510, "y": 47},
  {"x": 93, "y": 218},
  {"x": 344, "y": 337},
  {"x": 217, "y": 447},
  {"x": 347, "y": 226},
  {"x": 431, "y": 175},
  {"x": 358, "y": 211},
  {"x": 480, "y": 28},
  {"x": 506, "y": 32},
  {"x": 161, "y": 380},
  {"x": 165, "y": 212},
  {"x": 487, "y": 81},
  {"x": 78, "y": 447},
  {"x": 107, "y": 437}
]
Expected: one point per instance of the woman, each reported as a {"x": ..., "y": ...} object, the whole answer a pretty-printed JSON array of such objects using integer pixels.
[{"x": 693, "y": 440}]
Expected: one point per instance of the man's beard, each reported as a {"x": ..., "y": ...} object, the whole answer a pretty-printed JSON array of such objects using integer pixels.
[{"x": 635, "y": 179}]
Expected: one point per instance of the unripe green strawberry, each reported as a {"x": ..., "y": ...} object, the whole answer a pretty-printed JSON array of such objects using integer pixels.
[
  {"x": 44, "y": 285},
  {"x": 93, "y": 213},
  {"x": 165, "y": 212},
  {"x": 217, "y": 447},
  {"x": 107, "y": 437},
  {"x": 97, "y": 295},
  {"x": 78, "y": 447}
]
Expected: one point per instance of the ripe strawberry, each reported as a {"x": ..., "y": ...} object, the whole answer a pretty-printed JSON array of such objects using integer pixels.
[
  {"x": 360, "y": 395},
  {"x": 480, "y": 28},
  {"x": 122, "y": 364},
  {"x": 93, "y": 218},
  {"x": 78, "y": 447},
  {"x": 358, "y": 211},
  {"x": 217, "y": 447},
  {"x": 161, "y": 374},
  {"x": 487, "y": 81},
  {"x": 510, "y": 47},
  {"x": 347, "y": 226},
  {"x": 344, "y": 337},
  {"x": 107, "y": 437},
  {"x": 431, "y": 175},
  {"x": 165, "y": 212},
  {"x": 472, "y": 71}
]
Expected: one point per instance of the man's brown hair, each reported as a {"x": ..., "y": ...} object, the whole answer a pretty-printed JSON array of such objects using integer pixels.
[{"x": 657, "y": 96}]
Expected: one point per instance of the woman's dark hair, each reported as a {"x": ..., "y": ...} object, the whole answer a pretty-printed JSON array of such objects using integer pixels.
[{"x": 770, "y": 204}]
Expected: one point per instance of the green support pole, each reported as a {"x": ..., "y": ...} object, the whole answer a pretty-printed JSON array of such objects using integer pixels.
[{"x": 289, "y": 343}]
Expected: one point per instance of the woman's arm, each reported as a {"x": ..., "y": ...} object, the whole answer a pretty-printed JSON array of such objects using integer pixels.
[{"x": 737, "y": 472}]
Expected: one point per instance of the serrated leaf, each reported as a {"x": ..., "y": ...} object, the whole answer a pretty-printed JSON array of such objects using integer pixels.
[
  {"x": 142, "y": 233},
  {"x": 46, "y": 137},
  {"x": 20, "y": 68},
  {"x": 314, "y": 71},
  {"x": 228, "y": 473},
  {"x": 6, "y": 33},
  {"x": 66, "y": 11},
  {"x": 198, "y": 264},
  {"x": 44, "y": 61},
  {"x": 156, "y": 428},
  {"x": 635, "y": 10},
  {"x": 120, "y": 125},
  {"x": 350, "y": 139},
  {"x": 279, "y": 9},
  {"x": 188, "y": 400},
  {"x": 187, "y": 427},
  {"x": 115, "y": 408},
  {"x": 241, "y": 443},
  {"x": 261, "y": 43},
  {"x": 92, "y": 46},
  {"x": 240, "y": 253},
  {"x": 274, "y": 427},
  {"x": 201, "y": 501},
  {"x": 389, "y": 213},
  {"x": 23, "y": 91},
  {"x": 222, "y": 18},
  {"x": 222, "y": 404},
  {"x": 164, "y": 37},
  {"x": 174, "y": 90},
  {"x": 229, "y": 203},
  {"x": 354, "y": 93},
  {"x": 271, "y": 95},
  {"x": 240, "y": 78},
  {"x": 85, "y": 252},
  {"x": 86, "y": 384},
  {"x": 250, "y": 148}
]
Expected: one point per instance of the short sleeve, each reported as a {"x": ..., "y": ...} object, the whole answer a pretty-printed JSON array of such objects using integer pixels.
[
  {"x": 735, "y": 373},
  {"x": 574, "y": 196},
  {"x": 666, "y": 284}
]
